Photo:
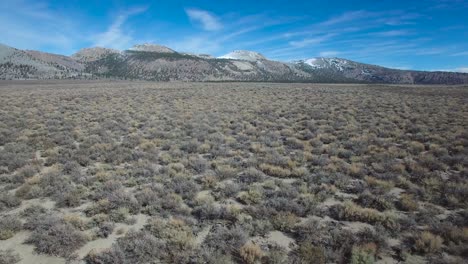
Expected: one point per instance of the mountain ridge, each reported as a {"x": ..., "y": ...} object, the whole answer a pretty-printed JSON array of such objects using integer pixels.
[{"x": 159, "y": 63}]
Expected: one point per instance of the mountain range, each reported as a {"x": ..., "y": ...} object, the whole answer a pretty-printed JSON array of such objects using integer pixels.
[{"x": 159, "y": 63}]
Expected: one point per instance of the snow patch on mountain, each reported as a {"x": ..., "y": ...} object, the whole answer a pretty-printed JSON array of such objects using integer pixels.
[
  {"x": 243, "y": 66},
  {"x": 203, "y": 56},
  {"x": 328, "y": 63},
  {"x": 244, "y": 55}
]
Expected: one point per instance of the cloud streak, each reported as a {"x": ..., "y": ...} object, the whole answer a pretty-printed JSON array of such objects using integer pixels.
[
  {"x": 310, "y": 41},
  {"x": 115, "y": 37},
  {"x": 29, "y": 25},
  {"x": 207, "y": 20}
]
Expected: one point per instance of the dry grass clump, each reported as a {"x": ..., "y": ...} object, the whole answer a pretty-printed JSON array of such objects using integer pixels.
[
  {"x": 275, "y": 171},
  {"x": 352, "y": 212}
]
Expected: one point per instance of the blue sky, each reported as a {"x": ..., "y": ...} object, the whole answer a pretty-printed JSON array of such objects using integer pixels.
[{"x": 410, "y": 34}]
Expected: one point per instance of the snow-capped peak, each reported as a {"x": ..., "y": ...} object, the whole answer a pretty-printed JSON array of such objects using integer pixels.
[
  {"x": 244, "y": 55},
  {"x": 312, "y": 62},
  {"x": 152, "y": 48}
]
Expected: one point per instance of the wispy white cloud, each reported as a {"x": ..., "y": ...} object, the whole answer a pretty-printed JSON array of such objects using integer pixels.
[
  {"x": 200, "y": 44},
  {"x": 461, "y": 54},
  {"x": 397, "y": 18},
  {"x": 236, "y": 32},
  {"x": 329, "y": 53},
  {"x": 115, "y": 36},
  {"x": 347, "y": 17},
  {"x": 393, "y": 33},
  {"x": 310, "y": 41},
  {"x": 33, "y": 25},
  {"x": 207, "y": 20}
]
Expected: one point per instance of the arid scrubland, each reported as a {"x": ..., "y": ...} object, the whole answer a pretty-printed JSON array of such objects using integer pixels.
[{"x": 103, "y": 172}]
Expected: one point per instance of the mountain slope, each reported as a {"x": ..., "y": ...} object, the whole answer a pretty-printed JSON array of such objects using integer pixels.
[
  {"x": 92, "y": 54},
  {"x": 152, "y": 48},
  {"x": 56, "y": 59},
  {"x": 362, "y": 72},
  {"x": 160, "y": 63},
  {"x": 176, "y": 66},
  {"x": 19, "y": 64}
]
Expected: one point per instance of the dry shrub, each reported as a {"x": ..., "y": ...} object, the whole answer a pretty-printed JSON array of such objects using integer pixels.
[
  {"x": 385, "y": 185},
  {"x": 53, "y": 236},
  {"x": 134, "y": 247},
  {"x": 355, "y": 169},
  {"x": 9, "y": 257},
  {"x": 100, "y": 207},
  {"x": 175, "y": 232},
  {"x": 309, "y": 253},
  {"x": 204, "y": 148},
  {"x": 277, "y": 255},
  {"x": 225, "y": 172},
  {"x": 428, "y": 243},
  {"x": 209, "y": 181},
  {"x": 8, "y": 201},
  {"x": 407, "y": 203},
  {"x": 76, "y": 221},
  {"x": 364, "y": 254},
  {"x": 9, "y": 226},
  {"x": 285, "y": 221},
  {"x": 250, "y": 253},
  {"x": 252, "y": 196},
  {"x": 416, "y": 147}
]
